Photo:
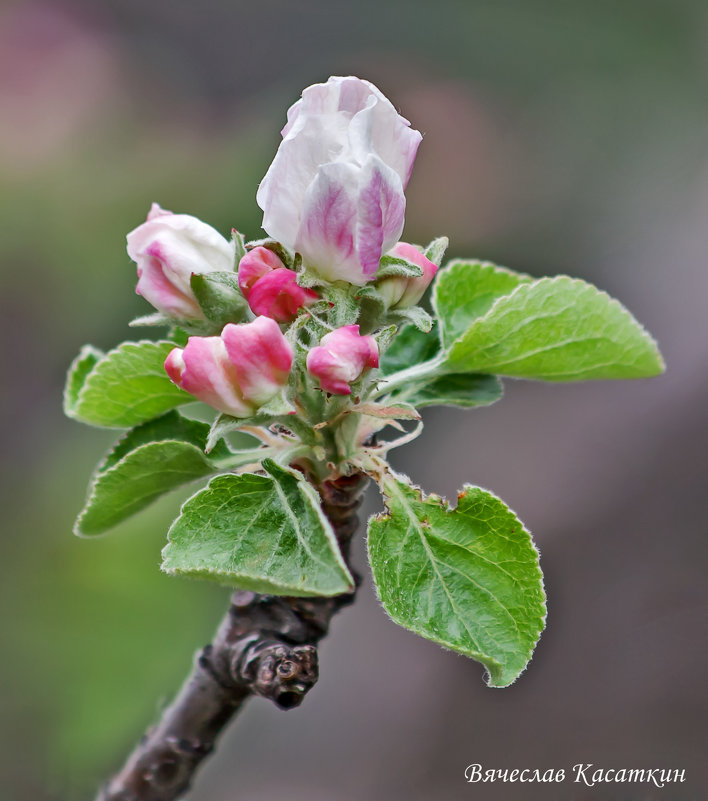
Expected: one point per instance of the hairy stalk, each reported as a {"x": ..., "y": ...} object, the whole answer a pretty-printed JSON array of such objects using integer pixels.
[{"x": 265, "y": 645}]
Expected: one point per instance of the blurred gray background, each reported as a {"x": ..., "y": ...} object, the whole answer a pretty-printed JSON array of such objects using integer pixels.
[{"x": 560, "y": 136}]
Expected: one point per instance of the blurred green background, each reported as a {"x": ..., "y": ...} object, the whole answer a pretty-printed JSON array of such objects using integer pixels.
[{"x": 560, "y": 136}]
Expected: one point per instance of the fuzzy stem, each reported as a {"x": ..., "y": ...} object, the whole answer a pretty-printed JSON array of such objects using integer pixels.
[
  {"x": 265, "y": 645},
  {"x": 411, "y": 375}
]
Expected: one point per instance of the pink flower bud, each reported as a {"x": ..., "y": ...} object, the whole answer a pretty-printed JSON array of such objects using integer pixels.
[
  {"x": 269, "y": 287},
  {"x": 401, "y": 292},
  {"x": 236, "y": 372},
  {"x": 168, "y": 248},
  {"x": 334, "y": 191},
  {"x": 341, "y": 358}
]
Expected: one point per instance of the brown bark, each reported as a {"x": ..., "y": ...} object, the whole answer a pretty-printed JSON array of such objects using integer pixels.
[{"x": 265, "y": 645}]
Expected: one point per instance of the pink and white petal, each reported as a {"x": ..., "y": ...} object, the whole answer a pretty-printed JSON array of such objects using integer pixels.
[
  {"x": 155, "y": 287},
  {"x": 326, "y": 235},
  {"x": 209, "y": 375},
  {"x": 381, "y": 213},
  {"x": 261, "y": 356}
]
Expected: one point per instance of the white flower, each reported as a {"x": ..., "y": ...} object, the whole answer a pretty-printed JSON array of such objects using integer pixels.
[{"x": 334, "y": 191}]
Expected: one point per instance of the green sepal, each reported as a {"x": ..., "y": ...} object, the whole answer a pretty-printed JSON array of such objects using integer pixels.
[
  {"x": 466, "y": 578},
  {"x": 394, "y": 266},
  {"x": 125, "y": 387},
  {"x": 436, "y": 250},
  {"x": 152, "y": 320},
  {"x": 284, "y": 254},
  {"x": 384, "y": 338},
  {"x": 265, "y": 533},
  {"x": 416, "y": 315},
  {"x": 239, "y": 243},
  {"x": 220, "y": 298},
  {"x": 149, "y": 461}
]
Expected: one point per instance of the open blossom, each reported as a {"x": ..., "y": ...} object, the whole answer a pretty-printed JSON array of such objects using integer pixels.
[
  {"x": 334, "y": 191},
  {"x": 236, "y": 372},
  {"x": 269, "y": 287},
  {"x": 168, "y": 248},
  {"x": 400, "y": 292},
  {"x": 341, "y": 357}
]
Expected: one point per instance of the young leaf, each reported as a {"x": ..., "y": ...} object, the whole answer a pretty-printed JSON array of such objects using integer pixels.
[
  {"x": 467, "y": 578},
  {"x": 81, "y": 366},
  {"x": 171, "y": 426},
  {"x": 466, "y": 290},
  {"x": 556, "y": 329},
  {"x": 125, "y": 387},
  {"x": 411, "y": 346},
  {"x": 462, "y": 389},
  {"x": 150, "y": 460},
  {"x": 262, "y": 533},
  {"x": 136, "y": 480}
]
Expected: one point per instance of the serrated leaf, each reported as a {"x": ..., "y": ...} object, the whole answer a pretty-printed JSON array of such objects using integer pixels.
[
  {"x": 436, "y": 250},
  {"x": 171, "y": 426},
  {"x": 556, "y": 329},
  {"x": 411, "y": 346},
  {"x": 463, "y": 389},
  {"x": 467, "y": 578},
  {"x": 128, "y": 386},
  {"x": 262, "y": 533},
  {"x": 80, "y": 368},
  {"x": 466, "y": 290},
  {"x": 139, "y": 478}
]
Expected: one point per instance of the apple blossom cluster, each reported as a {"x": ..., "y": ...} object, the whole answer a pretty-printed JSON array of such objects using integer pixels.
[
  {"x": 333, "y": 202},
  {"x": 311, "y": 342}
]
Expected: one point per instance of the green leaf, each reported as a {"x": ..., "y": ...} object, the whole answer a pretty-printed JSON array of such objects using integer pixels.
[
  {"x": 467, "y": 578},
  {"x": 556, "y": 329},
  {"x": 171, "y": 426},
  {"x": 125, "y": 387},
  {"x": 220, "y": 298},
  {"x": 150, "y": 460},
  {"x": 466, "y": 290},
  {"x": 80, "y": 368},
  {"x": 436, "y": 250},
  {"x": 463, "y": 389},
  {"x": 138, "y": 479},
  {"x": 262, "y": 533},
  {"x": 411, "y": 346}
]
